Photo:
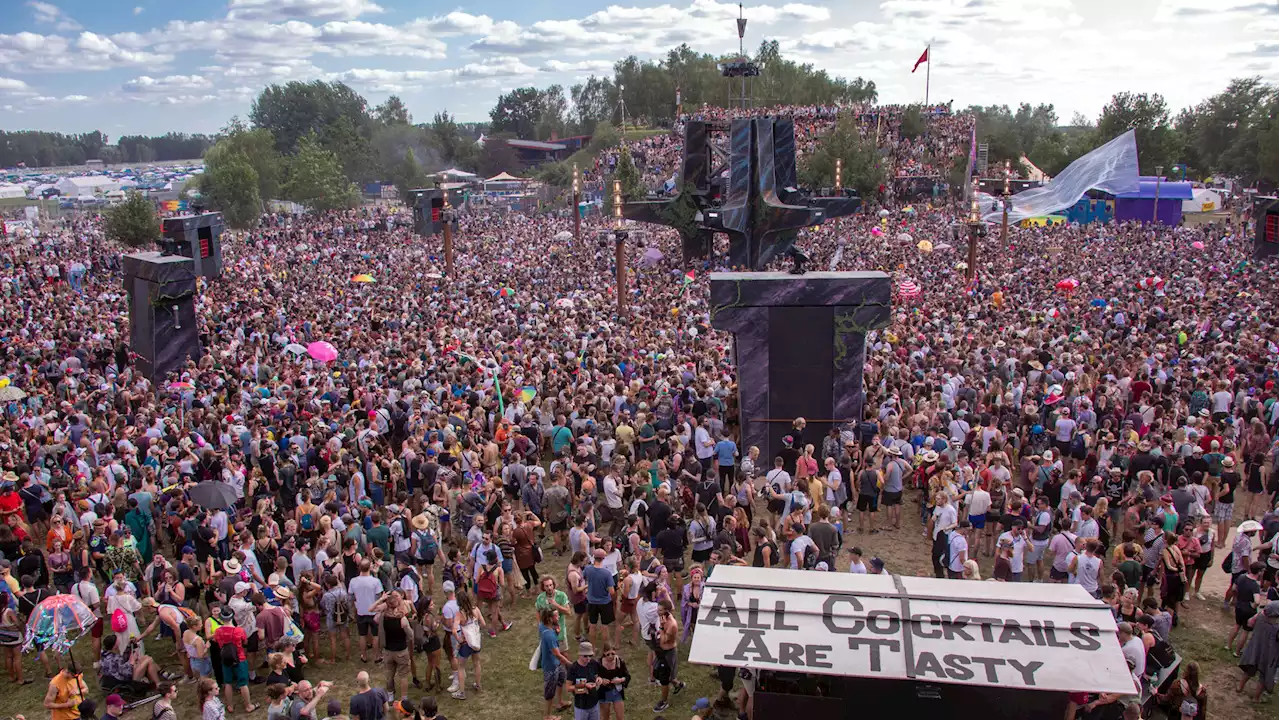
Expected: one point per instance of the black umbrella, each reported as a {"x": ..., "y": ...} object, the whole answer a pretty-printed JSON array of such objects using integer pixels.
[{"x": 212, "y": 495}]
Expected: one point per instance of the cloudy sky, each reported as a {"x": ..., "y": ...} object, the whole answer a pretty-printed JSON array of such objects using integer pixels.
[{"x": 152, "y": 67}]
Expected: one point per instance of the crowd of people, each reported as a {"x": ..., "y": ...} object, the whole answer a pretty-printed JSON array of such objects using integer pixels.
[{"x": 498, "y": 447}]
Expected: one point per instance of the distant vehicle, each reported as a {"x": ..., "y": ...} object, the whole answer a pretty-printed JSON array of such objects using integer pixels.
[{"x": 50, "y": 192}]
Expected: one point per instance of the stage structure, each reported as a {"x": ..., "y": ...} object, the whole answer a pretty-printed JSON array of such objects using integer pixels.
[
  {"x": 198, "y": 237},
  {"x": 162, "y": 312},
  {"x": 758, "y": 205},
  {"x": 799, "y": 347}
]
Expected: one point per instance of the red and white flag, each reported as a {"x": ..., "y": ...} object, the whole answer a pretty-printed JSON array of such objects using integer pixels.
[{"x": 924, "y": 58}]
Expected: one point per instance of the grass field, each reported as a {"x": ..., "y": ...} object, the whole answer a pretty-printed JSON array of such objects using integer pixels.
[{"x": 512, "y": 692}]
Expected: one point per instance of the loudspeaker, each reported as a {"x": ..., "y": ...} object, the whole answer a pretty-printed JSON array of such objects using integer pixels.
[
  {"x": 198, "y": 237},
  {"x": 162, "y": 312},
  {"x": 1264, "y": 236},
  {"x": 428, "y": 211}
]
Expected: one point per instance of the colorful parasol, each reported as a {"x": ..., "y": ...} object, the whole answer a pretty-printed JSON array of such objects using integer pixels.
[
  {"x": 1098, "y": 303},
  {"x": 9, "y": 393},
  {"x": 925, "y": 246},
  {"x": 908, "y": 290},
  {"x": 527, "y": 393},
  {"x": 1067, "y": 284},
  {"x": 506, "y": 292},
  {"x": 1197, "y": 245},
  {"x": 689, "y": 277},
  {"x": 1154, "y": 282},
  {"x": 322, "y": 351},
  {"x": 56, "y": 623},
  {"x": 180, "y": 386},
  {"x": 362, "y": 278}
]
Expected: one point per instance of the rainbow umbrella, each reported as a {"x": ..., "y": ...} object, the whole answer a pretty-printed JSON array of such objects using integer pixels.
[
  {"x": 506, "y": 292},
  {"x": 322, "y": 351},
  {"x": 527, "y": 393},
  {"x": 362, "y": 278},
  {"x": 689, "y": 277},
  {"x": 180, "y": 386}
]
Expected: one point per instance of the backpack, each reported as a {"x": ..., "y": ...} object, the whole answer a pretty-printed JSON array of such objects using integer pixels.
[
  {"x": 428, "y": 548},
  {"x": 229, "y": 655},
  {"x": 307, "y": 522},
  {"x": 486, "y": 586},
  {"x": 399, "y": 424},
  {"x": 810, "y": 557},
  {"x": 342, "y": 611},
  {"x": 119, "y": 621},
  {"x": 623, "y": 542}
]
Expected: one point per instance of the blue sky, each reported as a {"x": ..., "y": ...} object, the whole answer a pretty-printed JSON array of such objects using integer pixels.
[{"x": 145, "y": 66}]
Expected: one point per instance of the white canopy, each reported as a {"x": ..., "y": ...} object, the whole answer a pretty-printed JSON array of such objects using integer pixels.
[
  {"x": 1202, "y": 200},
  {"x": 504, "y": 177},
  {"x": 12, "y": 191},
  {"x": 455, "y": 172},
  {"x": 1011, "y": 635}
]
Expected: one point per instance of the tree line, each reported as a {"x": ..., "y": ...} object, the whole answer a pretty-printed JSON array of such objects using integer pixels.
[
  {"x": 37, "y": 148},
  {"x": 644, "y": 93},
  {"x": 1232, "y": 133}
]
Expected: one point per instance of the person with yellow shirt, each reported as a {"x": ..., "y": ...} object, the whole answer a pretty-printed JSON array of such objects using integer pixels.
[{"x": 66, "y": 691}]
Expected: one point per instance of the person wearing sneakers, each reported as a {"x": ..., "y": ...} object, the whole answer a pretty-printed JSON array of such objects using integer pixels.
[{"x": 664, "y": 666}]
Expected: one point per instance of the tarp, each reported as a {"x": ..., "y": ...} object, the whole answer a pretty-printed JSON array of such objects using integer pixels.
[
  {"x": 1009, "y": 635},
  {"x": 1111, "y": 168},
  {"x": 1202, "y": 200}
]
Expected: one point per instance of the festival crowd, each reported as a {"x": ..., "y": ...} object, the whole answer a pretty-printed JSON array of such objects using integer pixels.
[{"x": 498, "y": 447}]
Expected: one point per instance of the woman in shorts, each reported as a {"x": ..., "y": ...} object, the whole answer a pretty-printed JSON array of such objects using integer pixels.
[{"x": 426, "y": 640}]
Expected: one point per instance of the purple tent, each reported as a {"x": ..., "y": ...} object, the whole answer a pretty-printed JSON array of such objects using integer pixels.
[{"x": 1140, "y": 204}]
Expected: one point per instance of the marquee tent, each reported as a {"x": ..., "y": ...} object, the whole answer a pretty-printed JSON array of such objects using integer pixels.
[
  {"x": 1008, "y": 636},
  {"x": 12, "y": 191},
  {"x": 87, "y": 185},
  {"x": 1202, "y": 200}
]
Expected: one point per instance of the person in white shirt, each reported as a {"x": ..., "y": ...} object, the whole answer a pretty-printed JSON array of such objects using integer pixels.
[
  {"x": 1016, "y": 540},
  {"x": 958, "y": 543},
  {"x": 856, "y": 565},
  {"x": 799, "y": 542},
  {"x": 1135, "y": 653},
  {"x": 942, "y": 519},
  {"x": 976, "y": 504},
  {"x": 365, "y": 589}
]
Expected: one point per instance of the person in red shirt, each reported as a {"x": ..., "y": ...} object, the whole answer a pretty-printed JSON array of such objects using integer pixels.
[
  {"x": 10, "y": 501},
  {"x": 231, "y": 640}
]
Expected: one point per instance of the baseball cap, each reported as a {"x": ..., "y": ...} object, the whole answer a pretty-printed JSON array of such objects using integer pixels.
[
  {"x": 243, "y": 587},
  {"x": 114, "y": 700},
  {"x": 447, "y": 587},
  {"x": 701, "y": 704},
  {"x": 877, "y": 563}
]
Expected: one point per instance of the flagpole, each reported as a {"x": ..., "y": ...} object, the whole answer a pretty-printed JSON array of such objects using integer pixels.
[{"x": 928, "y": 65}]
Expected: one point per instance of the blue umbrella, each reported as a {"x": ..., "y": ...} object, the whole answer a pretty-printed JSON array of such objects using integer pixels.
[{"x": 1098, "y": 302}]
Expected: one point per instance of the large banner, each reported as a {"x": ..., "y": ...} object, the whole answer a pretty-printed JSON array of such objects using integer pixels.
[{"x": 884, "y": 628}]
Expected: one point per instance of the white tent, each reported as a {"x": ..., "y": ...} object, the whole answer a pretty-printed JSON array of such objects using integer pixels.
[
  {"x": 12, "y": 191},
  {"x": 87, "y": 185},
  {"x": 456, "y": 173},
  {"x": 1202, "y": 200},
  {"x": 1001, "y": 635}
]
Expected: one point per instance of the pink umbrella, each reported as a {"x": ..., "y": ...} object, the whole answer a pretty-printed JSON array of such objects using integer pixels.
[
  {"x": 1197, "y": 245},
  {"x": 1068, "y": 284},
  {"x": 322, "y": 351}
]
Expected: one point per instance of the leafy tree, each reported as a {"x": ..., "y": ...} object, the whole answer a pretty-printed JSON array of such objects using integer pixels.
[
  {"x": 594, "y": 102},
  {"x": 518, "y": 112},
  {"x": 393, "y": 112},
  {"x": 230, "y": 184},
  {"x": 447, "y": 137},
  {"x": 1226, "y": 132},
  {"x": 390, "y": 144},
  {"x": 861, "y": 167},
  {"x": 624, "y": 172},
  {"x": 409, "y": 175},
  {"x": 558, "y": 175},
  {"x": 497, "y": 156},
  {"x": 913, "y": 123},
  {"x": 552, "y": 118},
  {"x": 1148, "y": 116},
  {"x": 132, "y": 222},
  {"x": 257, "y": 146},
  {"x": 315, "y": 178},
  {"x": 296, "y": 109}
]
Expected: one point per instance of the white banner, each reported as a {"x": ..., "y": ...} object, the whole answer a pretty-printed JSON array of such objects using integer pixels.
[{"x": 882, "y": 629}]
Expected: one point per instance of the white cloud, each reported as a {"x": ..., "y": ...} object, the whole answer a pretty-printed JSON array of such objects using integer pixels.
[
  {"x": 582, "y": 67},
  {"x": 54, "y": 53},
  {"x": 50, "y": 14},
  {"x": 137, "y": 10},
  {"x": 273, "y": 10},
  {"x": 12, "y": 86},
  {"x": 146, "y": 85},
  {"x": 456, "y": 23}
]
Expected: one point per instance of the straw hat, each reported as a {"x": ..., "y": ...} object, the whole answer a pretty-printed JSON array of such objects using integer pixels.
[{"x": 419, "y": 522}]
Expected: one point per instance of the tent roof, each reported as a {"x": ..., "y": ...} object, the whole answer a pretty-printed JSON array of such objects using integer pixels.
[
  {"x": 504, "y": 177},
  {"x": 455, "y": 172},
  {"x": 1009, "y": 635},
  {"x": 1168, "y": 190},
  {"x": 536, "y": 145}
]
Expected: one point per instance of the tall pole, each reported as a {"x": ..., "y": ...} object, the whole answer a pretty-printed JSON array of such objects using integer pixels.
[
  {"x": 446, "y": 216},
  {"x": 1155, "y": 206},
  {"x": 975, "y": 226},
  {"x": 577, "y": 200},
  {"x": 839, "y": 179},
  {"x": 619, "y": 248},
  {"x": 928, "y": 65},
  {"x": 1004, "y": 224}
]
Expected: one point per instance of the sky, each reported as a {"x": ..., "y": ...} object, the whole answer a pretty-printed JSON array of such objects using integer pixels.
[{"x": 150, "y": 67}]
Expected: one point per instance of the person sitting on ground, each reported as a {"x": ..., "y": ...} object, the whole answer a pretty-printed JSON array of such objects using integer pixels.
[{"x": 128, "y": 665}]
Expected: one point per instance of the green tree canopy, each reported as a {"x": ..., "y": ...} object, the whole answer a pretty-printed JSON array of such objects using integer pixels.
[
  {"x": 518, "y": 112},
  {"x": 393, "y": 112},
  {"x": 409, "y": 175},
  {"x": 1148, "y": 116},
  {"x": 315, "y": 178},
  {"x": 861, "y": 165},
  {"x": 230, "y": 184},
  {"x": 132, "y": 222}
]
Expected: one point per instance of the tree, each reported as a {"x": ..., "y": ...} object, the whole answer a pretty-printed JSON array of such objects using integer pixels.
[
  {"x": 132, "y": 222},
  {"x": 496, "y": 156},
  {"x": 861, "y": 167},
  {"x": 257, "y": 146},
  {"x": 517, "y": 112},
  {"x": 624, "y": 172},
  {"x": 393, "y": 112},
  {"x": 1227, "y": 132},
  {"x": 1148, "y": 116},
  {"x": 230, "y": 184},
  {"x": 913, "y": 123},
  {"x": 409, "y": 175},
  {"x": 558, "y": 175},
  {"x": 594, "y": 102},
  {"x": 296, "y": 109},
  {"x": 447, "y": 138},
  {"x": 315, "y": 178},
  {"x": 551, "y": 119}
]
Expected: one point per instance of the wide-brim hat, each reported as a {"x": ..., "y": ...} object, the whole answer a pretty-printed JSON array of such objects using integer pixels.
[
  {"x": 231, "y": 566},
  {"x": 419, "y": 522},
  {"x": 1249, "y": 526},
  {"x": 930, "y": 456},
  {"x": 895, "y": 450}
]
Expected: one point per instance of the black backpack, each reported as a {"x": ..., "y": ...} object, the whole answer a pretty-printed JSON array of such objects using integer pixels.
[
  {"x": 229, "y": 655},
  {"x": 810, "y": 557}
]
